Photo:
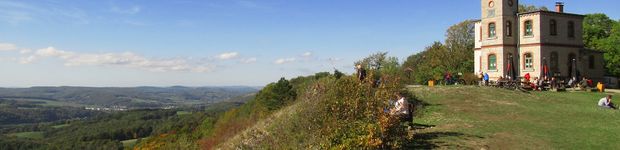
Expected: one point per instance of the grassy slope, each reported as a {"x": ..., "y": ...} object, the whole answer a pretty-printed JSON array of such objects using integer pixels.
[
  {"x": 283, "y": 129},
  {"x": 30, "y": 135},
  {"x": 473, "y": 117}
]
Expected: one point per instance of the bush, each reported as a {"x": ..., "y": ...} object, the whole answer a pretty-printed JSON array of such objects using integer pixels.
[{"x": 352, "y": 114}]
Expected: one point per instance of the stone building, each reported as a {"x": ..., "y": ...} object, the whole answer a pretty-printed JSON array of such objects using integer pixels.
[{"x": 541, "y": 43}]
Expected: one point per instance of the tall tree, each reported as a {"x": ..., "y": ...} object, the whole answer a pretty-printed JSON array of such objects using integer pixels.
[
  {"x": 459, "y": 42},
  {"x": 530, "y": 8},
  {"x": 596, "y": 27},
  {"x": 611, "y": 46},
  {"x": 455, "y": 56}
]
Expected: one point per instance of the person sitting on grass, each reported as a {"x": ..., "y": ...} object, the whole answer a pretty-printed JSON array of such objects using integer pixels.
[
  {"x": 584, "y": 83},
  {"x": 553, "y": 83},
  {"x": 605, "y": 102},
  {"x": 572, "y": 81},
  {"x": 542, "y": 83},
  {"x": 401, "y": 108},
  {"x": 534, "y": 85}
]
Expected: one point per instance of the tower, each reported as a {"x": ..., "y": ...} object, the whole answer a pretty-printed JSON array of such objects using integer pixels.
[{"x": 499, "y": 37}]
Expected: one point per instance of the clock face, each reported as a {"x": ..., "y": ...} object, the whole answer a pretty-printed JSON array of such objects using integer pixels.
[
  {"x": 510, "y": 3},
  {"x": 491, "y": 4}
]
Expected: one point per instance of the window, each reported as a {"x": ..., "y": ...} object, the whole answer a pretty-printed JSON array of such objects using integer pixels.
[
  {"x": 571, "y": 29},
  {"x": 553, "y": 27},
  {"x": 491, "y": 30},
  {"x": 508, "y": 28},
  {"x": 529, "y": 31},
  {"x": 591, "y": 62},
  {"x": 492, "y": 62},
  {"x": 529, "y": 61},
  {"x": 554, "y": 62}
]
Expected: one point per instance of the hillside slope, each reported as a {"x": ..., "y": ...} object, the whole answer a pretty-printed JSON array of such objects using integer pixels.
[{"x": 331, "y": 113}]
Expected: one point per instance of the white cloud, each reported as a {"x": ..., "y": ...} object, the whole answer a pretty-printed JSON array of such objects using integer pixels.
[
  {"x": 25, "y": 51},
  {"x": 129, "y": 11},
  {"x": 228, "y": 55},
  {"x": 284, "y": 60},
  {"x": 52, "y": 52},
  {"x": 126, "y": 59},
  {"x": 27, "y": 60},
  {"x": 248, "y": 60},
  {"x": 307, "y": 54},
  {"x": 7, "y": 47}
]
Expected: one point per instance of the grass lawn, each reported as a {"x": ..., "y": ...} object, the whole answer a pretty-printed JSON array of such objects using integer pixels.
[
  {"x": 465, "y": 117},
  {"x": 30, "y": 135},
  {"x": 131, "y": 143},
  {"x": 180, "y": 113},
  {"x": 60, "y": 126}
]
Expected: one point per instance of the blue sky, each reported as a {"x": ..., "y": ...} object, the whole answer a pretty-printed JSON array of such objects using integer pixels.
[{"x": 217, "y": 42}]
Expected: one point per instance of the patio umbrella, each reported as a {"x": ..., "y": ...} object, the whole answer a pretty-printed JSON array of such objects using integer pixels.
[
  {"x": 508, "y": 70},
  {"x": 545, "y": 69},
  {"x": 574, "y": 70},
  {"x": 511, "y": 69}
]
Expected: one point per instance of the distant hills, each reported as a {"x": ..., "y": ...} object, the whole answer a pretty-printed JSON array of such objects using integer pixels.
[{"x": 125, "y": 96}]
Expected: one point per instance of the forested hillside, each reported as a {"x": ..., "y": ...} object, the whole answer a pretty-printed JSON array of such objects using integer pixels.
[
  {"x": 141, "y": 97},
  {"x": 118, "y": 130}
]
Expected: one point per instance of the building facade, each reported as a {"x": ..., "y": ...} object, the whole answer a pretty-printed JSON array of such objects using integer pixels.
[{"x": 541, "y": 43}]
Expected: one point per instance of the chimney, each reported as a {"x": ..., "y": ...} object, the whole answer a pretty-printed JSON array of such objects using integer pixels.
[{"x": 559, "y": 7}]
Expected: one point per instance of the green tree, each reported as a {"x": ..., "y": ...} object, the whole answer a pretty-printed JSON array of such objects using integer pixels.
[
  {"x": 338, "y": 74},
  {"x": 455, "y": 56},
  {"x": 374, "y": 61},
  {"x": 460, "y": 45},
  {"x": 595, "y": 28},
  {"x": 530, "y": 8},
  {"x": 611, "y": 46},
  {"x": 276, "y": 95}
]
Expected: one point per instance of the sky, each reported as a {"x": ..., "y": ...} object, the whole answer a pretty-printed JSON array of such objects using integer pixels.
[{"x": 122, "y": 43}]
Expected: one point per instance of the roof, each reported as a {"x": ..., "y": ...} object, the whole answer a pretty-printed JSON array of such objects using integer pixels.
[{"x": 550, "y": 12}]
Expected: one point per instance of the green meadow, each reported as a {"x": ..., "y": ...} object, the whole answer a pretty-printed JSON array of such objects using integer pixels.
[{"x": 491, "y": 118}]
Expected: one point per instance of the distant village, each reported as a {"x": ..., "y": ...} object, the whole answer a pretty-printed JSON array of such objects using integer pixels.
[{"x": 125, "y": 108}]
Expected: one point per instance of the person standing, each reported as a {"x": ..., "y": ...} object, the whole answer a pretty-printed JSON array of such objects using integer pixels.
[
  {"x": 486, "y": 79},
  {"x": 361, "y": 72}
]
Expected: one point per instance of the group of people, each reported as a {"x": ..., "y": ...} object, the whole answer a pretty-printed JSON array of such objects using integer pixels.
[{"x": 542, "y": 83}]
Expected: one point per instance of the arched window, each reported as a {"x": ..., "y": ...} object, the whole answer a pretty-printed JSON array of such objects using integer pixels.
[
  {"x": 492, "y": 62},
  {"x": 492, "y": 30},
  {"x": 571, "y": 29},
  {"x": 508, "y": 28},
  {"x": 529, "y": 61},
  {"x": 529, "y": 30},
  {"x": 554, "y": 62},
  {"x": 553, "y": 27}
]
